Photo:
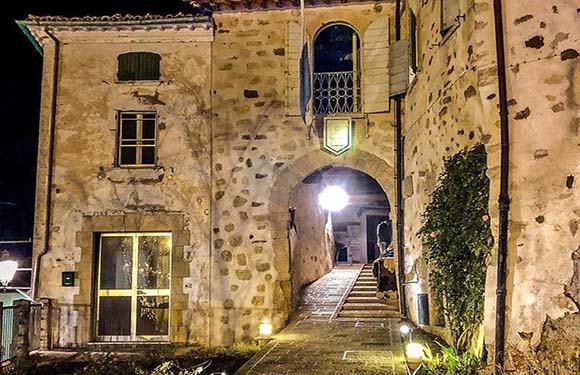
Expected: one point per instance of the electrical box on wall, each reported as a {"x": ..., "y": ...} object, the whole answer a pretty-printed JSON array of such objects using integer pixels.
[{"x": 68, "y": 278}]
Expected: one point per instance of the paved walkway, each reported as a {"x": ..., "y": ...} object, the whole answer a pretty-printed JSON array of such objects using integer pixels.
[{"x": 316, "y": 343}]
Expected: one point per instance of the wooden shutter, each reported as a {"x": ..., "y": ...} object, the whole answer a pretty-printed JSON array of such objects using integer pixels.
[
  {"x": 376, "y": 67},
  {"x": 293, "y": 51},
  {"x": 449, "y": 12},
  {"x": 399, "y": 67},
  {"x": 138, "y": 66}
]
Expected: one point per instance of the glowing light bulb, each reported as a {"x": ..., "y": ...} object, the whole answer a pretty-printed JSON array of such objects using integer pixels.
[
  {"x": 405, "y": 329},
  {"x": 265, "y": 328},
  {"x": 333, "y": 198},
  {"x": 414, "y": 351}
]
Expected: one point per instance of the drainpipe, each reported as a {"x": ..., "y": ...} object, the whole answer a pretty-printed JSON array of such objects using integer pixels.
[
  {"x": 504, "y": 200},
  {"x": 400, "y": 174},
  {"x": 48, "y": 202}
]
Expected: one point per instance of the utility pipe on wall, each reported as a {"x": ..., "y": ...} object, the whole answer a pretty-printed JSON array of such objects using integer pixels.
[
  {"x": 49, "y": 156},
  {"x": 400, "y": 173},
  {"x": 504, "y": 200}
]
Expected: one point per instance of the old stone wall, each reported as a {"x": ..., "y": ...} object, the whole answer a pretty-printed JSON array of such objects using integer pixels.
[
  {"x": 311, "y": 240},
  {"x": 87, "y": 187},
  {"x": 260, "y": 154},
  {"x": 451, "y": 105},
  {"x": 543, "y": 57}
]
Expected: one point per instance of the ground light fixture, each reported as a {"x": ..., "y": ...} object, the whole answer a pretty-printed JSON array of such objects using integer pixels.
[
  {"x": 414, "y": 353},
  {"x": 333, "y": 198},
  {"x": 265, "y": 329},
  {"x": 8, "y": 267},
  {"x": 406, "y": 331}
]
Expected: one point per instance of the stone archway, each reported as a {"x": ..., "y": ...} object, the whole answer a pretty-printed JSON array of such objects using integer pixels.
[{"x": 279, "y": 195}]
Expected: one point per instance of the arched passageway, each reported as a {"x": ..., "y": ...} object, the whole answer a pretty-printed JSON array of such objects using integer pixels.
[{"x": 323, "y": 233}]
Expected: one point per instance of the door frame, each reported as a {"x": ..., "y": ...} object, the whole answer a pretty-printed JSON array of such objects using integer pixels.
[{"x": 133, "y": 292}]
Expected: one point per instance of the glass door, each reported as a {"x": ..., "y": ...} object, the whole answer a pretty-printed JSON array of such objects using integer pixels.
[{"x": 133, "y": 287}]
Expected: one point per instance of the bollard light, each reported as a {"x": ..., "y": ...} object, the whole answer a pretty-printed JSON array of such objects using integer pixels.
[
  {"x": 414, "y": 352},
  {"x": 8, "y": 268},
  {"x": 333, "y": 198},
  {"x": 265, "y": 329}
]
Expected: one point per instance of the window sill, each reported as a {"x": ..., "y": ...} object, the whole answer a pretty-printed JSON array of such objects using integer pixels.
[
  {"x": 145, "y": 82},
  {"x": 354, "y": 115},
  {"x": 146, "y": 175}
]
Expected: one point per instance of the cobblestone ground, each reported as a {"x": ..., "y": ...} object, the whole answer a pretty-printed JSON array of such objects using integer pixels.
[{"x": 316, "y": 343}]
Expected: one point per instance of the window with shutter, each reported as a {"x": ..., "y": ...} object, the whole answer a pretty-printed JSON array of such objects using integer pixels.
[
  {"x": 413, "y": 48},
  {"x": 376, "y": 80},
  {"x": 449, "y": 13},
  {"x": 136, "y": 66},
  {"x": 293, "y": 51},
  {"x": 336, "y": 80}
]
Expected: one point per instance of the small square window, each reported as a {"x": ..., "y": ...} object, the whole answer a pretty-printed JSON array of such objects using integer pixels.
[{"x": 137, "y": 139}]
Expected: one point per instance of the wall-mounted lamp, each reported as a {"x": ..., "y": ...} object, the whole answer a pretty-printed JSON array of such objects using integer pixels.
[{"x": 8, "y": 267}]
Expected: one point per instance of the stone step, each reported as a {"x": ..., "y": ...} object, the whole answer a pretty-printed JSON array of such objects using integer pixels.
[
  {"x": 359, "y": 293},
  {"x": 362, "y": 299},
  {"x": 364, "y": 288},
  {"x": 368, "y": 314},
  {"x": 367, "y": 306},
  {"x": 364, "y": 282},
  {"x": 366, "y": 278}
]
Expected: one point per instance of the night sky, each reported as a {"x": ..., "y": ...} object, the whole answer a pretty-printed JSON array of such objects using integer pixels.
[{"x": 21, "y": 91}]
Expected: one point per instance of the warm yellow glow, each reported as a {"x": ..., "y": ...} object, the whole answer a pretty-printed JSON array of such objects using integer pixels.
[
  {"x": 266, "y": 328},
  {"x": 414, "y": 351}
]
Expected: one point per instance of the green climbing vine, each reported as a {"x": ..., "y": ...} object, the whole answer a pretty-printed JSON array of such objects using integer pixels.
[{"x": 457, "y": 235}]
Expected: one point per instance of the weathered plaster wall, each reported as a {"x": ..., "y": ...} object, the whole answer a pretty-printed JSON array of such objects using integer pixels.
[
  {"x": 451, "y": 105},
  {"x": 86, "y": 184},
  {"x": 312, "y": 243},
  {"x": 543, "y": 40},
  {"x": 260, "y": 154}
]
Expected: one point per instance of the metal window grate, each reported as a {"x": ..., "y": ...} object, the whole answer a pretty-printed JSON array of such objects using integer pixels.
[{"x": 336, "y": 92}]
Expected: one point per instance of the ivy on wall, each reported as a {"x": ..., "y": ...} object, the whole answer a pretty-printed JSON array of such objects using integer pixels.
[{"x": 457, "y": 235}]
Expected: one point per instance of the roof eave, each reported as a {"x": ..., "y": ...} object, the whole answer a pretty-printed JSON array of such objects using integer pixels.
[{"x": 24, "y": 27}]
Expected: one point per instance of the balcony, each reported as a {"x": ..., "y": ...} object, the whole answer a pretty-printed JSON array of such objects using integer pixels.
[{"x": 336, "y": 92}]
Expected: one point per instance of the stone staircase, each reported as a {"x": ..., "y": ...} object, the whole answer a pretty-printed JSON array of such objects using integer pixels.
[{"x": 362, "y": 302}]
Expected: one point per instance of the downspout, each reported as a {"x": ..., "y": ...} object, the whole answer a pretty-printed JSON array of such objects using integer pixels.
[
  {"x": 400, "y": 174},
  {"x": 52, "y": 125},
  {"x": 504, "y": 200}
]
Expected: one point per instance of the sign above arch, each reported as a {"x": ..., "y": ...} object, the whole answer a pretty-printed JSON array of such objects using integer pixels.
[{"x": 337, "y": 134}]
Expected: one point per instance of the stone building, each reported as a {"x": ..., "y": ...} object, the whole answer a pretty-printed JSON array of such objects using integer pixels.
[{"x": 204, "y": 189}]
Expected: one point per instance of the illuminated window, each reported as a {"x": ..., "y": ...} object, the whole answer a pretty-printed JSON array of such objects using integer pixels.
[
  {"x": 137, "y": 139},
  {"x": 135, "y": 66},
  {"x": 449, "y": 13},
  {"x": 133, "y": 287}
]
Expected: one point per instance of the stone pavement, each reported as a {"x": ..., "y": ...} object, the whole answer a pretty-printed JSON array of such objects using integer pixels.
[{"x": 317, "y": 343}]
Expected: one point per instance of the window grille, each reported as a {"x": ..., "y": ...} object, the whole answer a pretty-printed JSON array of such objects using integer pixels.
[
  {"x": 137, "y": 139},
  {"x": 336, "y": 92},
  {"x": 135, "y": 66}
]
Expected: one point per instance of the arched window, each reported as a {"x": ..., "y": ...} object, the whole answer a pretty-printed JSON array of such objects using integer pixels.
[
  {"x": 135, "y": 66},
  {"x": 336, "y": 70}
]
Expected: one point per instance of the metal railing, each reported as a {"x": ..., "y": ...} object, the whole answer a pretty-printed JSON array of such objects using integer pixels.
[
  {"x": 336, "y": 92},
  {"x": 15, "y": 324},
  {"x": 9, "y": 333}
]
